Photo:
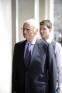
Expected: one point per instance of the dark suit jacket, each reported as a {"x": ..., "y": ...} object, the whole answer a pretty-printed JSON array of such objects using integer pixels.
[{"x": 36, "y": 77}]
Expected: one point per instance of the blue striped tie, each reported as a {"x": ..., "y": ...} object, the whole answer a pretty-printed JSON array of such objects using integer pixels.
[{"x": 27, "y": 56}]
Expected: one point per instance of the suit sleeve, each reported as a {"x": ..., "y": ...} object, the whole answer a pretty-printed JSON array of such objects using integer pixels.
[
  {"x": 14, "y": 70},
  {"x": 58, "y": 51},
  {"x": 51, "y": 70}
]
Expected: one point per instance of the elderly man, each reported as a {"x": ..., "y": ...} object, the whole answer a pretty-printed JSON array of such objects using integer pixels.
[{"x": 30, "y": 63}]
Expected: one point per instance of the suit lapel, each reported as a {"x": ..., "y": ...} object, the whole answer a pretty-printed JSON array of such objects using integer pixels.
[
  {"x": 34, "y": 52},
  {"x": 23, "y": 49}
]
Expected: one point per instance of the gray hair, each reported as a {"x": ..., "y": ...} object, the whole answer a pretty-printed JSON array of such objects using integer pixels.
[{"x": 32, "y": 22}]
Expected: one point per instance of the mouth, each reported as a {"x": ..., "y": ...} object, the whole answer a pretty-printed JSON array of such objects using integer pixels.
[{"x": 41, "y": 34}]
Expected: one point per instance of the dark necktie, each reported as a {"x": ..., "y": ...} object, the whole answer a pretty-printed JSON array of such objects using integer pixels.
[
  {"x": 27, "y": 62},
  {"x": 27, "y": 56}
]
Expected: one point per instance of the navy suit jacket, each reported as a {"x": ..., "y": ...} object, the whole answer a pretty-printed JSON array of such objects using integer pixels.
[{"x": 39, "y": 76}]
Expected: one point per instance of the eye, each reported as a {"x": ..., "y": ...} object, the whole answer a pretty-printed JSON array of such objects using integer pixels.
[
  {"x": 44, "y": 28},
  {"x": 28, "y": 29}
]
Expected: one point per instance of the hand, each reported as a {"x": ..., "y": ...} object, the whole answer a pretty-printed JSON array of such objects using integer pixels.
[{"x": 60, "y": 88}]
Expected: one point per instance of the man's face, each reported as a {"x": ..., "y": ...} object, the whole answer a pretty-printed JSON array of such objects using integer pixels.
[
  {"x": 28, "y": 31},
  {"x": 44, "y": 31}
]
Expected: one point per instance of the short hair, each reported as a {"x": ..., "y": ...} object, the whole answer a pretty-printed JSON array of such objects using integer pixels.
[
  {"x": 47, "y": 23},
  {"x": 32, "y": 22}
]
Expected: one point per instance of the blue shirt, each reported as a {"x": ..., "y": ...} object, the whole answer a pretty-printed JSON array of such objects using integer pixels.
[{"x": 31, "y": 45}]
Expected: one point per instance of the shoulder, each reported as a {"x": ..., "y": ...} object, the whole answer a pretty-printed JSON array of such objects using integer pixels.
[
  {"x": 58, "y": 47},
  {"x": 42, "y": 44},
  {"x": 19, "y": 44}
]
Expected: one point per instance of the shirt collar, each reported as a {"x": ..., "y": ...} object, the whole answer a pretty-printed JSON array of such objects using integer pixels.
[
  {"x": 49, "y": 40},
  {"x": 33, "y": 41}
]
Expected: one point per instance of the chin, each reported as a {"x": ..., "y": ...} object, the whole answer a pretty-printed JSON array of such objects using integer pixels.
[{"x": 43, "y": 37}]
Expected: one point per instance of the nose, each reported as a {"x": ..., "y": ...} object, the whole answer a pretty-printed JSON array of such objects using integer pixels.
[{"x": 41, "y": 30}]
